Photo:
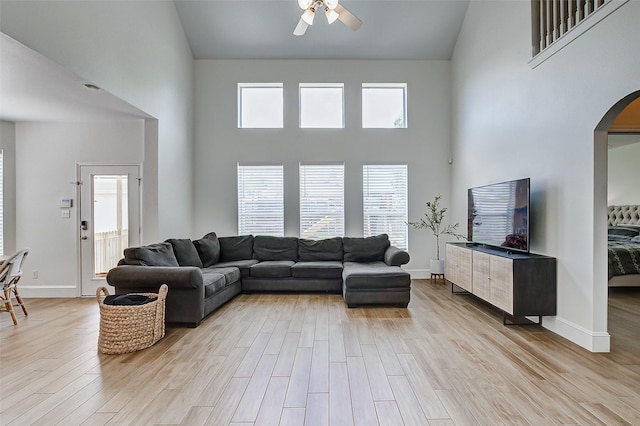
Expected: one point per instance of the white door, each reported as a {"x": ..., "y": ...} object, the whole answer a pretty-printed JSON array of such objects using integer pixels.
[{"x": 109, "y": 220}]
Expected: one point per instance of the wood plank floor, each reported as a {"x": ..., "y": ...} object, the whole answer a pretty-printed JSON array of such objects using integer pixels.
[{"x": 307, "y": 359}]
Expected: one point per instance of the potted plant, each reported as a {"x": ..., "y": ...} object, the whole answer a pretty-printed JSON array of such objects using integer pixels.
[{"x": 433, "y": 220}]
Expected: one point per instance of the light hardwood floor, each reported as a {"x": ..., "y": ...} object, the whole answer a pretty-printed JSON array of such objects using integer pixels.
[{"x": 307, "y": 359}]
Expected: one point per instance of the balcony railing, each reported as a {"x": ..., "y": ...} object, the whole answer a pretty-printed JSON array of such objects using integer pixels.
[
  {"x": 108, "y": 247},
  {"x": 551, "y": 19}
]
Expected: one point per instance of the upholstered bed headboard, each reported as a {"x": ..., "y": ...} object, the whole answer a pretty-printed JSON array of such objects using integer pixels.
[{"x": 628, "y": 215}]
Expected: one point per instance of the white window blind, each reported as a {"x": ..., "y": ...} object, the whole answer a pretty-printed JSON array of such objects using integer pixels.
[
  {"x": 260, "y": 106},
  {"x": 321, "y": 200},
  {"x": 1, "y": 203},
  {"x": 384, "y": 188},
  {"x": 260, "y": 199}
]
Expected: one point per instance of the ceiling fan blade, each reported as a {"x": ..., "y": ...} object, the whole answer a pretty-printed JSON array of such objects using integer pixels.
[
  {"x": 348, "y": 18},
  {"x": 301, "y": 28}
]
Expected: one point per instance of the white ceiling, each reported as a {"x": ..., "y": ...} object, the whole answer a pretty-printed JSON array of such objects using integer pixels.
[
  {"x": 34, "y": 88},
  {"x": 263, "y": 29}
]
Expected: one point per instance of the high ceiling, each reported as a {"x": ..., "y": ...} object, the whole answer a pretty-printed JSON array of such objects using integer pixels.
[{"x": 263, "y": 29}]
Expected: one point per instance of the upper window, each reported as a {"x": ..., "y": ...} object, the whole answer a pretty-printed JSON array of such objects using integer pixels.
[
  {"x": 260, "y": 199},
  {"x": 321, "y": 200},
  {"x": 384, "y": 190},
  {"x": 322, "y": 105},
  {"x": 384, "y": 105},
  {"x": 260, "y": 105}
]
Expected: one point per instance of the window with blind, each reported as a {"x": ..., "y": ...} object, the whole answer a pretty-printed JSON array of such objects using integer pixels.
[
  {"x": 260, "y": 105},
  {"x": 384, "y": 189},
  {"x": 1, "y": 203},
  {"x": 321, "y": 200},
  {"x": 260, "y": 199}
]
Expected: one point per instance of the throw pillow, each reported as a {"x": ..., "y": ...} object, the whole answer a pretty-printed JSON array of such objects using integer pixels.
[
  {"x": 185, "y": 251},
  {"x": 370, "y": 249},
  {"x": 160, "y": 254},
  {"x": 208, "y": 248}
]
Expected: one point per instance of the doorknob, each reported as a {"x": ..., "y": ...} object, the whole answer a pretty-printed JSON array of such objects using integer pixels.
[{"x": 84, "y": 237}]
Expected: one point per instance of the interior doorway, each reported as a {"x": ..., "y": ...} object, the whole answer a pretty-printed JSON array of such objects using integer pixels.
[
  {"x": 109, "y": 219},
  {"x": 618, "y": 129}
]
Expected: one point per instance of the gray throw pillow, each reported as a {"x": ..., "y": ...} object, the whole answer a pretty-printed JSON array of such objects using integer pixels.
[
  {"x": 160, "y": 254},
  {"x": 315, "y": 250},
  {"x": 185, "y": 252},
  {"x": 208, "y": 248},
  {"x": 236, "y": 248},
  {"x": 369, "y": 249}
]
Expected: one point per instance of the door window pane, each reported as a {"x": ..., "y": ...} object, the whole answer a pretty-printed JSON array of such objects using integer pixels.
[{"x": 110, "y": 221}]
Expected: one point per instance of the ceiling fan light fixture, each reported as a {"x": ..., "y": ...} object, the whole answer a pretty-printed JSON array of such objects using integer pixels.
[
  {"x": 308, "y": 16},
  {"x": 332, "y": 15},
  {"x": 331, "y": 4},
  {"x": 304, "y": 4}
]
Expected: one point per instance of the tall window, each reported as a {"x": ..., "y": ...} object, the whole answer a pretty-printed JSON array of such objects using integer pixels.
[
  {"x": 260, "y": 105},
  {"x": 321, "y": 200},
  {"x": 384, "y": 189},
  {"x": 322, "y": 105},
  {"x": 384, "y": 105},
  {"x": 1, "y": 203},
  {"x": 260, "y": 199}
]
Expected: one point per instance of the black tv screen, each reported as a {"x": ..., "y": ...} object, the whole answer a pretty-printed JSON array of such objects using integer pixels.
[{"x": 498, "y": 215}]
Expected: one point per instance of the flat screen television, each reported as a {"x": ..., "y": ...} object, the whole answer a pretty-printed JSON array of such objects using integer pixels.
[{"x": 498, "y": 215}]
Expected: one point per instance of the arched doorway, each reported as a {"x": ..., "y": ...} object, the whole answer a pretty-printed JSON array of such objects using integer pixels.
[{"x": 623, "y": 117}]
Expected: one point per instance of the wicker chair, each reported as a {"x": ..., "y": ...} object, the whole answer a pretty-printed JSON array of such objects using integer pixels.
[{"x": 10, "y": 273}]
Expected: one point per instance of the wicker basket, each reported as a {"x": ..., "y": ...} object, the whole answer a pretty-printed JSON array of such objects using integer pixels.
[{"x": 127, "y": 328}]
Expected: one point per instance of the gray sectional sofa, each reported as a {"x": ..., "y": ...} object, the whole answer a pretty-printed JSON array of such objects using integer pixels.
[{"x": 204, "y": 274}]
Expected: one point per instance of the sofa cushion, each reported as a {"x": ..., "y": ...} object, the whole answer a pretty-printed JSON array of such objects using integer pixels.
[
  {"x": 213, "y": 281},
  {"x": 374, "y": 275},
  {"x": 231, "y": 273},
  {"x": 236, "y": 248},
  {"x": 208, "y": 248},
  {"x": 185, "y": 252},
  {"x": 275, "y": 248},
  {"x": 272, "y": 269},
  {"x": 368, "y": 249},
  {"x": 319, "y": 269},
  {"x": 327, "y": 249},
  {"x": 242, "y": 265},
  {"x": 160, "y": 254}
]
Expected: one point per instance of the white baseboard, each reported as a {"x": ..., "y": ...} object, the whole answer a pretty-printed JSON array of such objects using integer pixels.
[
  {"x": 33, "y": 291},
  {"x": 419, "y": 274},
  {"x": 593, "y": 341}
]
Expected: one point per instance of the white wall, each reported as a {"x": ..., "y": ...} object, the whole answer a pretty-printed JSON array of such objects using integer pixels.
[
  {"x": 46, "y": 175},
  {"x": 424, "y": 145},
  {"x": 8, "y": 145},
  {"x": 512, "y": 121},
  {"x": 137, "y": 51},
  {"x": 624, "y": 175}
]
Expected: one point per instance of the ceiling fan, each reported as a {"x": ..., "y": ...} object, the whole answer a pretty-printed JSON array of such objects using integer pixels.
[{"x": 333, "y": 11}]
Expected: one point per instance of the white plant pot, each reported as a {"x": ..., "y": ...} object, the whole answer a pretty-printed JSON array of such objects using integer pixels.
[{"x": 437, "y": 266}]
